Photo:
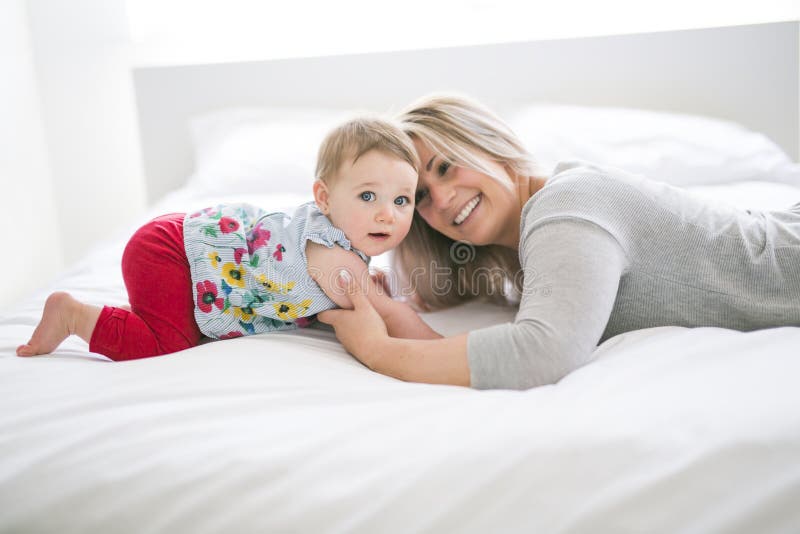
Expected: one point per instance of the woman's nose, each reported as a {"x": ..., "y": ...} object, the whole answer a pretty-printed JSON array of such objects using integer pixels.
[{"x": 441, "y": 195}]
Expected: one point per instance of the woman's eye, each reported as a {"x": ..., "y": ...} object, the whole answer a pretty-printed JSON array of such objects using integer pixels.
[
  {"x": 420, "y": 195},
  {"x": 442, "y": 168},
  {"x": 402, "y": 201},
  {"x": 367, "y": 196}
]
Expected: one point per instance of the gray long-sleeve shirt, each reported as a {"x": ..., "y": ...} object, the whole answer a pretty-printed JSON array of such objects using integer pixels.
[{"x": 606, "y": 252}]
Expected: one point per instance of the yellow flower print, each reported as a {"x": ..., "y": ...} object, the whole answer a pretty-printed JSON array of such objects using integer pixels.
[
  {"x": 245, "y": 314},
  {"x": 215, "y": 259},
  {"x": 289, "y": 310},
  {"x": 234, "y": 274},
  {"x": 274, "y": 287}
]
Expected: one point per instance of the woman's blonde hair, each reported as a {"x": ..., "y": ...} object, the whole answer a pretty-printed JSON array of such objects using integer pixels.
[{"x": 444, "y": 272}]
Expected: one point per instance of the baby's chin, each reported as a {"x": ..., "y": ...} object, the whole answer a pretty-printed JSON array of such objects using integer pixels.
[{"x": 375, "y": 249}]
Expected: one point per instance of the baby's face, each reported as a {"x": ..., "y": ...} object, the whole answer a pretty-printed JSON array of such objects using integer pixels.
[{"x": 372, "y": 201}]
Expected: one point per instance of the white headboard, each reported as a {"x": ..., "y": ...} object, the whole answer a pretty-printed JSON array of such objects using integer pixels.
[{"x": 748, "y": 74}]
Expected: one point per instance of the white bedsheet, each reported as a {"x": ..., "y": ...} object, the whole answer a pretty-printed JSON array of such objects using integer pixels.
[{"x": 669, "y": 430}]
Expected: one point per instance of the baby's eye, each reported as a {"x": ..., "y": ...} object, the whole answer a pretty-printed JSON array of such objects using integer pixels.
[
  {"x": 367, "y": 196},
  {"x": 442, "y": 168},
  {"x": 420, "y": 195},
  {"x": 402, "y": 201}
]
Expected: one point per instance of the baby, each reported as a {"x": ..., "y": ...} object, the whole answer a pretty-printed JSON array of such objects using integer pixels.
[{"x": 234, "y": 270}]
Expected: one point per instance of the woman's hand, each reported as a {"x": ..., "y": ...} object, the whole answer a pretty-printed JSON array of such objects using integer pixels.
[
  {"x": 360, "y": 330},
  {"x": 363, "y": 333}
]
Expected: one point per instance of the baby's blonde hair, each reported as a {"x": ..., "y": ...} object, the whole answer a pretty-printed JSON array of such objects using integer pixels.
[
  {"x": 355, "y": 137},
  {"x": 464, "y": 133}
]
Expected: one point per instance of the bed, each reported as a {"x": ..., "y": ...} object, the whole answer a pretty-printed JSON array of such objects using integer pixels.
[{"x": 668, "y": 429}]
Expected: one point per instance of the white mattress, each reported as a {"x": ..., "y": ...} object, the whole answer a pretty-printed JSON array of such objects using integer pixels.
[{"x": 669, "y": 430}]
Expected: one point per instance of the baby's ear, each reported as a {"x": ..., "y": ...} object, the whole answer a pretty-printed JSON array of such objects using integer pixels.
[{"x": 321, "y": 196}]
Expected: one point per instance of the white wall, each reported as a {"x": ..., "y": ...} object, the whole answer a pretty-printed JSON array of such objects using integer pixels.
[
  {"x": 69, "y": 151},
  {"x": 81, "y": 53},
  {"x": 70, "y": 160},
  {"x": 242, "y": 30},
  {"x": 31, "y": 239}
]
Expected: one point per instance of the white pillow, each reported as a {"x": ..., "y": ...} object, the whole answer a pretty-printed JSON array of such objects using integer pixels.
[
  {"x": 274, "y": 150},
  {"x": 261, "y": 150},
  {"x": 674, "y": 148}
]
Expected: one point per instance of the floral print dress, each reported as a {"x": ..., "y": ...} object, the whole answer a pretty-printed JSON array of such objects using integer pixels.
[{"x": 249, "y": 269}]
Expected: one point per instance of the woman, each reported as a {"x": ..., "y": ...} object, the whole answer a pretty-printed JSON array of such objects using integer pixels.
[{"x": 602, "y": 252}]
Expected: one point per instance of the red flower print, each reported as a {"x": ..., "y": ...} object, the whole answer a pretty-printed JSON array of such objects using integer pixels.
[
  {"x": 228, "y": 225},
  {"x": 204, "y": 211},
  {"x": 207, "y": 296},
  {"x": 278, "y": 254},
  {"x": 231, "y": 335},
  {"x": 237, "y": 255},
  {"x": 258, "y": 238}
]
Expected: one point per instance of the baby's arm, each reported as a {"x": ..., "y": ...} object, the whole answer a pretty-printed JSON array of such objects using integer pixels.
[{"x": 324, "y": 265}]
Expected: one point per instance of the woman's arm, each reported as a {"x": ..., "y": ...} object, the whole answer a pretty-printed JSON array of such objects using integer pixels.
[
  {"x": 364, "y": 334},
  {"x": 572, "y": 270},
  {"x": 324, "y": 265},
  {"x": 572, "y": 274}
]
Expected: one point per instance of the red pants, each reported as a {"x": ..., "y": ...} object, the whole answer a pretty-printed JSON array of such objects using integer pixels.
[{"x": 159, "y": 283}]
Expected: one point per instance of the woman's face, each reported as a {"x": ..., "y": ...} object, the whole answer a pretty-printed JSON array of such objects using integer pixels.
[{"x": 465, "y": 204}]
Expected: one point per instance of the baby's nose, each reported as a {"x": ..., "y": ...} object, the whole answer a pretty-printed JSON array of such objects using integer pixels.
[{"x": 385, "y": 214}]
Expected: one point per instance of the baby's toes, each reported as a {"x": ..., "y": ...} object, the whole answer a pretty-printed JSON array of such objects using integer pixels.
[{"x": 25, "y": 350}]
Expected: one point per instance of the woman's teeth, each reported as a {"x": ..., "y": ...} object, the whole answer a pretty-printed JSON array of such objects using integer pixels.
[{"x": 467, "y": 210}]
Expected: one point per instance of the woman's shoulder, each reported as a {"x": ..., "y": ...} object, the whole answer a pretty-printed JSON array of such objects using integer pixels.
[
  {"x": 615, "y": 200},
  {"x": 629, "y": 206},
  {"x": 572, "y": 174},
  {"x": 583, "y": 188},
  {"x": 579, "y": 186}
]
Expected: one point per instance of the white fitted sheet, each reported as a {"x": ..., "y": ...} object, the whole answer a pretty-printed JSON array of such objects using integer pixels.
[{"x": 669, "y": 430}]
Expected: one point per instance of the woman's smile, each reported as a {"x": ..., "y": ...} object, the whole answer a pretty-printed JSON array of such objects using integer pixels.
[
  {"x": 467, "y": 210},
  {"x": 468, "y": 204}
]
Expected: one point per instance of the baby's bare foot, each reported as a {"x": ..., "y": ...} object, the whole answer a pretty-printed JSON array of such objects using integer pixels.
[{"x": 58, "y": 323}]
